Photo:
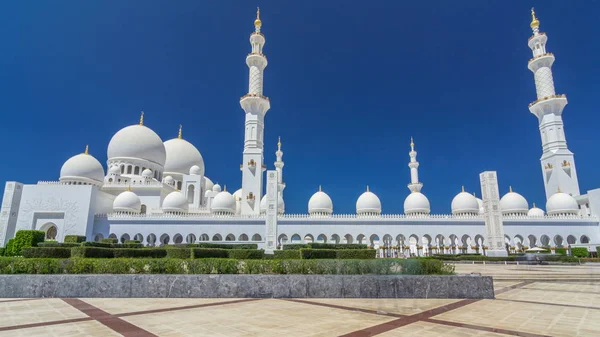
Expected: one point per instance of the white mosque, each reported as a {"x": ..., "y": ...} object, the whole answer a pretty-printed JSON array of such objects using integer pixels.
[{"x": 157, "y": 192}]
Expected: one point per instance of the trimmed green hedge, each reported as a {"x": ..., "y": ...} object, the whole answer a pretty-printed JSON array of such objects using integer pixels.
[
  {"x": 96, "y": 244},
  {"x": 294, "y": 246},
  {"x": 109, "y": 240},
  {"x": 10, "y": 265},
  {"x": 245, "y": 254},
  {"x": 23, "y": 239},
  {"x": 96, "y": 252},
  {"x": 51, "y": 252},
  {"x": 228, "y": 246},
  {"x": 286, "y": 254},
  {"x": 200, "y": 253},
  {"x": 179, "y": 253},
  {"x": 137, "y": 253},
  {"x": 336, "y": 246},
  {"x": 58, "y": 244},
  {"x": 2, "y": 251},
  {"x": 561, "y": 251},
  {"x": 129, "y": 242},
  {"x": 579, "y": 251},
  {"x": 597, "y": 250},
  {"x": 74, "y": 238},
  {"x": 356, "y": 253},
  {"x": 307, "y": 253}
]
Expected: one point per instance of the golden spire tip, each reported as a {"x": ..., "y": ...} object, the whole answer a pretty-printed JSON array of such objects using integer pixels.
[
  {"x": 142, "y": 118},
  {"x": 535, "y": 23},
  {"x": 129, "y": 188},
  {"x": 257, "y": 22},
  {"x": 180, "y": 135},
  {"x": 510, "y": 189},
  {"x": 320, "y": 189},
  {"x": 463, "y": 188},
  {"x": 87, "y": 147}
]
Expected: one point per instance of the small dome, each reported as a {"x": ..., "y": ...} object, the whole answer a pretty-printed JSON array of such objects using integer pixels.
[
  {"x": 562, "y": 203},
  {"x": 416, "y": 203},
  {"x": 168, "y": 180},
  {"x": 216, "y": 188},
  {"x": 139, "y": 142},
  {"x": 127, "y": 202},
  {"x": 181, "y": 155},
  {"x": 208, "y": 184},
  {"x": 82, "y": 167},
  {"x": 513, "y": 203},
  {"x": 480, "y": 203},
  {"x": 175, "y": 202},
  {"x": 464, "y": 203},
  {"x": 536, "y": 212},
  {"x": 196, "y": 170},
  {"x": 368, "y": 203},
  {"x": 223, "y": 203},
  {"x": 115, "y": 169},
  {"x": 280, "y": 204},
  {"x": 320, "y": 203},
  {"x": 147, "y": 173}
]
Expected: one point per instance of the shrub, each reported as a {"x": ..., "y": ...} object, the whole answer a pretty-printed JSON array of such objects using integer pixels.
[
  {"x": 294, "y": 246},
  {"x": 245, "y": 254},
  {"x": 96, "y": 252},
  {"x": 579, "y": 251},
  {"x": 199, "y": 253},
  {"x": 356, "y": 253},
  {"x": 228, "y": 246},
  {"x": 11, "y": 265},
  {"x": 134, "y": 252},
  {"x": 561, "y": 251},
  {"x": 24, "y": 239},
  {"x": 336, "y": 246},
  {"x": 598, "y": 250},
  {"x": 74, "y": 238},
  {"x": 179, "y": 253},
  {"x": 307, "y": 253},
  {"x": 58, "y": 244},
  {"x": 128, "y": 242},
  {"x": 9, "y": 250},
  {"x": 130, "y": 245},
  {"x": 96, "y": 244},
  {"x": 2, "y": 251},
  {"x": 51, "y": 252},
  {"x": 286, "y": 254},
  {"x": 109, "y": 240}
]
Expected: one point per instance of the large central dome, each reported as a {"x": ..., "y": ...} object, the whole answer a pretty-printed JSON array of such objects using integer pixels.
[{"x": 139, "y": 142}]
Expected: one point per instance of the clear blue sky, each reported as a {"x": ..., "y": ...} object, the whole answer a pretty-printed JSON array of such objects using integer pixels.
[{"x": 349, "y": 83}]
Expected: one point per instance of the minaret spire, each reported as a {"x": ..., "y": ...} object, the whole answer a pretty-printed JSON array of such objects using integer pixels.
[
  {"x": 557, "y": 161},
  {"x": 415, "y": 185},
  {"x": 180, "y": 133},
  {"x": 87, "y": 148},
  {"x": 142, "y": 118},
  {"x": 255, "y": 105}
]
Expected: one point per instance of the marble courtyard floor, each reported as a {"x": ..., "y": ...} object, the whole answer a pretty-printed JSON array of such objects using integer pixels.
[{"x": 530, "y": 301}]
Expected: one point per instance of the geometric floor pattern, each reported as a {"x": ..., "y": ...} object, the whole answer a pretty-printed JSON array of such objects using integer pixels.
[{"x": 530, "y": 301}]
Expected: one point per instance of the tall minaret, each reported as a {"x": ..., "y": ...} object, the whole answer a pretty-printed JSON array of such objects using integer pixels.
[
  {"x": 415, "y": 185},
  {"x": 279, "y": 167},
  {"x": 256, "y": 106},
  {"x": 558, "y": 164}
]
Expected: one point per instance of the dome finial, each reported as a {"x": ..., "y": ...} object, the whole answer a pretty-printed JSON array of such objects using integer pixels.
[
  {"x": 129, "y": 188},
  {"x": 510, "y": 189},
  {"x": 257, "y": 22},
  {"x": 412, "y": 144},
  {"x": 180, "y": 136},
  {"x": 463, "y": 188},
  {"x": 474, "y": 195},
  {"x": 142, "y": 118},
  {"x": 535, "y": 23},
  {"x": 87, "y": 147},
  {"x": 534, "y": 205},
  {"x": 368, "y": 188},
  {"x": 558, "y": 190},
  {"x": 225, "y": 188},
  {"x": 320, "y": 189}
]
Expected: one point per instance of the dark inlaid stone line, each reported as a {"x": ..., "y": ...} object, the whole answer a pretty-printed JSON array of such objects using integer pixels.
[
  {"x": 546, "y": 303},
  {"x": 193, "y": 306},
  {"x": 566, "y": 291},
  {"x": 111, "y": 321},
  {"x": 400, "y": 322},
  {"x": 509, "y": 288},
  {"x": 20, "y": 300},
  {"x": 484, "y": 328},
  {"x": 366, "y": 311},
  {"x": 35, "y": 325}
]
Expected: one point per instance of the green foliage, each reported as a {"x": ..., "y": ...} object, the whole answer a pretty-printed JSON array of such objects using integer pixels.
[
  {"x": 286, "y": 254},
  {"x": 52, "y": 252},
  {"x": 135, "y": 252},
  {"x": 74, "y": 238},
  {"x": 294, "y": 246},
  {"x": 129, "y": 245},
  {"x": 11, "y": 265},
  {"x": 598, "y": 250},
  {"x": 96, "y": 244},
  {"x": 24, "y": 239},
  {"x": 228, "y": 245},
  {"x": 561, "y": 251},
  {"x": 179, "y": 253},
  {"x": 356, "y": 253},
  {"x": 9, "y": 250},
  {"x": 2, "y": 251},
  {"x": 58, "y": 244},
  {"x": 129, "y": 242},
  {"x": 336, "y": 246},
  {"x": 579, "y": 251},
  {"x": 109, "y": 240},
  {"x": 307, "y": 253},
  {"x": 245, "y": 254},
  {"x": 200, "y": 253},
  {"x": 96, "y": 252}
]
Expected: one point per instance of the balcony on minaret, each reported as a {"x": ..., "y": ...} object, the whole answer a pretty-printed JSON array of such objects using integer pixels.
[{"x": 553, "y": 104}]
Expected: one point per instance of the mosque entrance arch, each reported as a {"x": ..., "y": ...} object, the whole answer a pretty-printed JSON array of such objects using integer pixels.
[{"x": 51, "y": 230}]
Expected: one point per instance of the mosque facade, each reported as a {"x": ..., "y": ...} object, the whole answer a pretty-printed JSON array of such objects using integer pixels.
[{"x": 158, "y": 193}]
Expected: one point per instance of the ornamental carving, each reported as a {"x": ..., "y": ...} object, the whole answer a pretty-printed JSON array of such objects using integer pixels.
[{"x": 54, "y": 205}]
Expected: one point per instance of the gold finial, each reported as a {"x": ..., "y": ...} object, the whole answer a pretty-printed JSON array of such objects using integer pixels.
[
  {"x": 463, "y": 188},
  {"x": 510, "y": 189},
  {"x": 257, "y": 22},
  {"x": 534, "y": 205},
  {"x": 320, "y": 189},
  {"x": 224, "y": 188},
  {"x": 129, "y": 188},
  {"x": 474, "y": 195},
  {"x": 535, "y": 23},
  {"x": 558, "y": 191},
  {"x": 87, "y": 147},
  {"x": 142, "y": 118},
  {"x": 180, "y": 127},
  {"x": 279, "y": 143},
  {"x": 368, "y": 188},
  {"x": 412, "y": 144}
]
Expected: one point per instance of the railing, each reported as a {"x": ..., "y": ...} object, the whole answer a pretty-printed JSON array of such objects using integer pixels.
[
  {"x": 537, "y": 57},
  {"x": 254, "y": 95},
  {"x": 533, "y": 36},
  {"x": 546, "y": 98}
]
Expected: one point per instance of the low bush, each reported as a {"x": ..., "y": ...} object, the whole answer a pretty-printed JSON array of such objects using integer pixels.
[
  {"x": 131, "y": 245},
  {"x": 96, "y": 244},
  {"x": 11, "y": 265},
  {"x": 598, "y": 250},
  {"x": 58, "y": 244},
  {"x": 128, "y": 242},
  {"x": 199, "y": 253},
  {"x": 228, "y": 245},
  {"x": 179, "y": 253},
  {"x": 286, "y": 254},
  {"x": 74, "y": 238},
  {"x": 294, "y": 246},
  {"x": 51, "y": 252},
  {"x": 134, "y": 252},
  {"x": 336, "y": 246},
  {"x": 307, "y": 253},
  {"x": 579, "y": 251},
  {"x": 2, "y": 251},
  {"x": 356, "y": 253},
  {"x": 245, "y": 254},
  {"x": 561, "y": 251},
  {"x": 109, "y": 240},
  {"x": 93, "y": 252},
  {"x": 23, "y": 239}
]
